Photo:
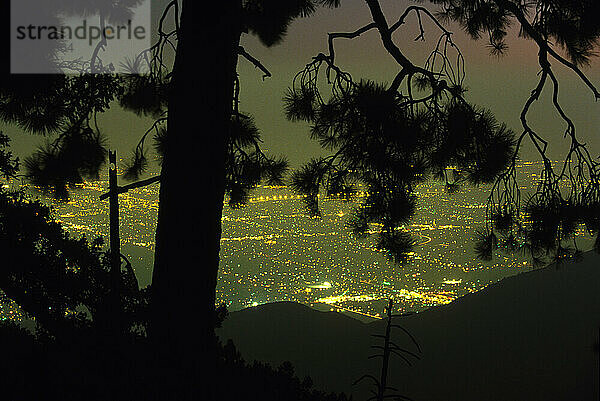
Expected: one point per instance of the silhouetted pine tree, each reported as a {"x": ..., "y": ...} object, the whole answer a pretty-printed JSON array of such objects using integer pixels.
[
  {"x": 63, "y": 285},
  {"x": 60, "y": 281},
  {"x": 386, "y": 351},
  {"x": 386, "y": 138},
  {"x": 209, "y": 142}
]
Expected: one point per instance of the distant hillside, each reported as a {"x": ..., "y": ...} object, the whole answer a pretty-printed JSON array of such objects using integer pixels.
[{"x": 529, "y": 337}]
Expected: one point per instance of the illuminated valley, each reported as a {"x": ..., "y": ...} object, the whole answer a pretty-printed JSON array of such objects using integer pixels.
[{"x": 272, "y": 250}]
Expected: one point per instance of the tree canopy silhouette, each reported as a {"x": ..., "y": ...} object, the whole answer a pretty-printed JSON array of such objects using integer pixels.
[
  {"x": 200, "y": 133},
  {"x": 61, "y": 281},
  {"x": 187, "y": 262},
  {"x": 387, "y": 138}
]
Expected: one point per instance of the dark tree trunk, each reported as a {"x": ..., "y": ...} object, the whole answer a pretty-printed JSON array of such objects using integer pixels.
[{"x": 191, "y": 194}]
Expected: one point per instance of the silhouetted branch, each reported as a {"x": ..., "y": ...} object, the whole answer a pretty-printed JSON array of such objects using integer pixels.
[
  {"x": 242, "y": 52},
  {"x": 418, "y": 10},
  {"x": 543, "y": 43},
  {"x": 139, "y": 184},
  {"x": 347, "y": 35},
  {"x": 367, "y": 377}
]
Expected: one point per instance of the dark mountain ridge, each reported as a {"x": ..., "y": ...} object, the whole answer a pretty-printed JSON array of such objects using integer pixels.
[{"x": 533, "y": 336}]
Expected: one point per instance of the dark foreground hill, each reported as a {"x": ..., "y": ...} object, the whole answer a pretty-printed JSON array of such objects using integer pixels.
[{"x": 533, "y": 336}]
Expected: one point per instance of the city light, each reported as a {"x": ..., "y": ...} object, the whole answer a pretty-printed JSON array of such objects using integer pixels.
[{"x": 272, "y": 250}]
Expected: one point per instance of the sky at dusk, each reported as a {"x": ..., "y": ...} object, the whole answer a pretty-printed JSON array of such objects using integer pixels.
[{"x": 501, "y": 84}]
